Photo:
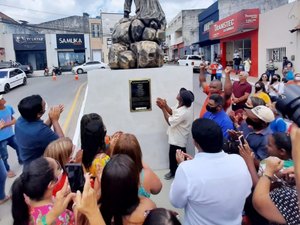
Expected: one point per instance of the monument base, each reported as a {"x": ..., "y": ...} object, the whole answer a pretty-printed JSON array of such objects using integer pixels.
[{"x": 109, "y": 96}]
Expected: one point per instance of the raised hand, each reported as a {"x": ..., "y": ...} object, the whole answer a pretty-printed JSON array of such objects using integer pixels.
[
  {"x": 273, "y": 165},
  {"x": 228, "y": 70}
]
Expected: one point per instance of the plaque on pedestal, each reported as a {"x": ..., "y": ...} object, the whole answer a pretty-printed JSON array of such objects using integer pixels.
[{"x": 140, "y": 95}]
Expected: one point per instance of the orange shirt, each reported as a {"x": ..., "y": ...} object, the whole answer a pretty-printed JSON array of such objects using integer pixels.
[{"x": 206, "y": 91}]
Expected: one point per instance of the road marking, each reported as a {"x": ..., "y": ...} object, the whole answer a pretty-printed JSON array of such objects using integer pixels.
[
  {"x": 77, "y": 130},
  {"x": 71, "y": 111}
]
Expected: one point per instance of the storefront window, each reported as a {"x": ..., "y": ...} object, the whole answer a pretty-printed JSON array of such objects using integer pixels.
[
  {"x": 243, "y": 47},
  {"x": 67, "y": 60},
  {"x": 276, "y": 54},
  {"x": 36, "y": 59}
]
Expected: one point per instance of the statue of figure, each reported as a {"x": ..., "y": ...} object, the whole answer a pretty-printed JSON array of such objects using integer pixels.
[{"x": 146, "y": 10}]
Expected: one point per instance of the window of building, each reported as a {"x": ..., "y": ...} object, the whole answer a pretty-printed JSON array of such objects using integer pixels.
[
  {"x": 276, "y": 54},
  {"x": 95, "y": 30}
]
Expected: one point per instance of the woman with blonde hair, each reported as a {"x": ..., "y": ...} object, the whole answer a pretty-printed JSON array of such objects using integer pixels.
[
  {"x": 149, "y": 182},
  {"x": 61, "y": 150}
]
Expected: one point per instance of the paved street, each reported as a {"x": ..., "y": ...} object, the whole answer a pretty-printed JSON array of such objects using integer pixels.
[
  {"x": 61, "y": 91},
  {"x": 64, "y": 90}
]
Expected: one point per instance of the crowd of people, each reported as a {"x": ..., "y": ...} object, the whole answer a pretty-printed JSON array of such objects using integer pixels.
[{"x": 245, "y": 170}]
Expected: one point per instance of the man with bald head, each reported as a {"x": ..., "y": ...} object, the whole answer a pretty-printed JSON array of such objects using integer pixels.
[
  {"x": 215, "y": 87},
  {"x": 240, "y": 91}
]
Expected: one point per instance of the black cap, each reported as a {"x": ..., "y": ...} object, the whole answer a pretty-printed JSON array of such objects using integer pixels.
[{"x": 186, "y": 96}]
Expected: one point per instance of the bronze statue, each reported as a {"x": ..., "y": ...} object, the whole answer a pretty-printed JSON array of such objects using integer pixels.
[{"x": 146, "y": 10}]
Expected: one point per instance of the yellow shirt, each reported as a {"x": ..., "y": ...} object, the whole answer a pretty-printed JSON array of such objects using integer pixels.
[
  {"x": 100, "y": 160},
  {"x": 264, "y": 97}
]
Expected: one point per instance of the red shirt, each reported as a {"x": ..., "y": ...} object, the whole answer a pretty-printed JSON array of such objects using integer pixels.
[
  {"x": 59, "y": 185},
  {"x": 239, "y": 90},
  {"x": 214, "y": 68}
]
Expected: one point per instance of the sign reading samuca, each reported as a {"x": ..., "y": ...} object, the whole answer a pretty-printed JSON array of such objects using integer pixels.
[
  {"x": 70, "y": 41},
  {"x": 75, "y": 41},
  {"x": 241, "y": 21}
]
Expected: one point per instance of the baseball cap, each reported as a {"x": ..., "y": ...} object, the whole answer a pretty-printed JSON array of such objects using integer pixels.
[
  {"x": 187, "y": 96},
  {"x": 261, "y": 112}
]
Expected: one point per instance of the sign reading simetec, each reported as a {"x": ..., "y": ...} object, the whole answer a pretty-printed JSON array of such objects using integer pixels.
[{"x": 70, "y": 41}]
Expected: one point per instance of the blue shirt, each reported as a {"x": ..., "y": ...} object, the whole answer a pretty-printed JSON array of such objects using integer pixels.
[
  {"x": 222, "y": 119},
  {"x": 6, "y": 115},
  {"x": 33, "y": 138},
  {"x": 257, "y": 140}
]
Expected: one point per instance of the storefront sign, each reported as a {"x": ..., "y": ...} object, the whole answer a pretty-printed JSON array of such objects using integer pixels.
[
  {"x": 70, "y": 41},
  {"x": 242, "y": 21},
  {"x": 140, "y": 95},
  {"x": 29, "y": 41},
  {"x": 207, "y": 26}
]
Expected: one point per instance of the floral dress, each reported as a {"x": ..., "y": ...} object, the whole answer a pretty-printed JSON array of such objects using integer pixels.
[{"x": 66, "y": 218}]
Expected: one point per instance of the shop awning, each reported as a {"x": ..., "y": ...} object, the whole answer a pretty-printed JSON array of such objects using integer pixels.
[
  {"x": 242, "y": 21},
  {"x": 297, "y": 28}
]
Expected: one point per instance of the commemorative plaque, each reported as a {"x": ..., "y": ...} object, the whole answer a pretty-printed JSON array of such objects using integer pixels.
[{"x": 140, "y": 95}]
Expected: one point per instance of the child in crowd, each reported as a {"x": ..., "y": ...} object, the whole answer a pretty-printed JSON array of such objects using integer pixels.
[
  {"x": 37, "y": 182},
  {"x": 60, "y": 150},
  {"x": 7, "y": 136}
]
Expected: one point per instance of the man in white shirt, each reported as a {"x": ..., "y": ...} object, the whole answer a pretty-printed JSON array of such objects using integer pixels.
[
  {"x": 179, "y": 119},
  {"x": 212, "y": 187}
]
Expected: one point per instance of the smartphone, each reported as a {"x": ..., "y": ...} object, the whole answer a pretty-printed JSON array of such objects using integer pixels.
[
  {"x": 242, "y": 140},
  {"x": 75, "y": 176}
]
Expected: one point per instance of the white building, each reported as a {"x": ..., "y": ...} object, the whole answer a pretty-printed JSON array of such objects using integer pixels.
[
  {"x": 182, "y": 32},
  {"x": 109, "y": 21},
  {"x": 279, "y": 35},
  {"x": 95, "y": 38}
]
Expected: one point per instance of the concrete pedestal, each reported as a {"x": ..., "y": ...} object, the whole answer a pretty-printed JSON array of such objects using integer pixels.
[{"x": 108, "y": 95}]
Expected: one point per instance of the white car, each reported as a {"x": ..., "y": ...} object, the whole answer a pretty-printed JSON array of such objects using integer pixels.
[
  {"x": 190, "y": 60},
  {"x": 93, "y": 65},
  {"x": 10, "y": 78}
]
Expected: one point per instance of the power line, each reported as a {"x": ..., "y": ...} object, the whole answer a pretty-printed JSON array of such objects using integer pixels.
[
  {"x": 34, "y": 10},
  {"x": 35, "y": 27}
]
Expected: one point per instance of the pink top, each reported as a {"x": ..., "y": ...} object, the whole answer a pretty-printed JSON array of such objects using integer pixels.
[{"x": 66, "y": 218}]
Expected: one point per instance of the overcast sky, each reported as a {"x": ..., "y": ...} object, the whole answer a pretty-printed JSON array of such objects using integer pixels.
[{"x": 37, "y": 11}]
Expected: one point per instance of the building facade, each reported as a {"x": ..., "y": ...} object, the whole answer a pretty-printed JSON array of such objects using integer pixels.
[
  {"x": 10, "y": 26},
  {"x": 238, "y": 33},
  {"x": 95, "y": 39},
  {"x": 109, "y": 20},
  {"x": 182, "y": 34},
  {"x": 238, "y": 28},
  {"x": 64, "y": 42},
  {"x": 229, "y": 7},
  {"x": 210, "y": 49},
  {"x": 286, "y": 33}
]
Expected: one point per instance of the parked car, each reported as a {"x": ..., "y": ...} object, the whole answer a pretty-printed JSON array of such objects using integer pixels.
[
  {"x": 190, "y": 60},
  {"x": 11, "y": 64},
  {"x": 10, "y": 78},
  {"x": 92, "y": 65}
]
